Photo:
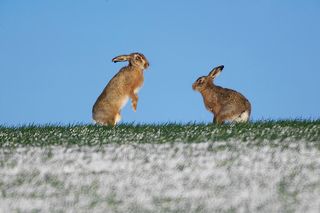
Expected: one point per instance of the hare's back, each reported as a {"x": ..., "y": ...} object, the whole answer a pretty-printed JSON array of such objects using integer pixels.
[
  {"x": 112, "y": 91},
  {"x": 118, "y": 84},
  {"x": 232, "y": 97}
]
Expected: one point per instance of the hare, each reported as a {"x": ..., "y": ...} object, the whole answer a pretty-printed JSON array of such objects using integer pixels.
[
  {"x": 225, "y": 104},
  {"x": 124, "y": 85}
]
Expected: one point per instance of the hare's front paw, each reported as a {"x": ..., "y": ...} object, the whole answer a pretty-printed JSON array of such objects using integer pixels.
[
  {"x": 134, "y": 98},
  {"x": 134, "y": 105}
]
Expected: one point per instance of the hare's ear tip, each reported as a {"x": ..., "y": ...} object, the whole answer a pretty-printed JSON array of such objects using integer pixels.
[
  {"x": 221, "y": 66},
  {"x": 116, "y": 59}
]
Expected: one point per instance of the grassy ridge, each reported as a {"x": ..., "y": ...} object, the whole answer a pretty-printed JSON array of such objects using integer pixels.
[
  {"x": 269, "y": 166},
  {"x": 258, "y": 132}
]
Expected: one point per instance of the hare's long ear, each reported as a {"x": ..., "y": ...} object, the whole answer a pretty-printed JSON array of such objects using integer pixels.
[
  {"x": 121, "y": 58},
  {"x": 215, "y": 71}
]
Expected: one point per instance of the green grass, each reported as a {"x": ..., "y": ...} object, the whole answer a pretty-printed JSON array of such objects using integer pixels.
[
  {"x": 264, "y": 166},
  {"x": 90, "y": 135}
]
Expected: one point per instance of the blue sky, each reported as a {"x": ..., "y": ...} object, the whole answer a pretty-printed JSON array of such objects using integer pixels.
[{"x": 55, "y": 57}]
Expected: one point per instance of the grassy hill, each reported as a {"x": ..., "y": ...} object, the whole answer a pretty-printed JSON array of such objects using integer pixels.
[
  {"x": 269, "y": 166},
  {"x": 257, "y": 132}
]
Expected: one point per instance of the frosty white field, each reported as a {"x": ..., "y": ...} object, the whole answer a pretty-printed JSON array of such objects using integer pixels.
[{"x": 225, "y": 176}]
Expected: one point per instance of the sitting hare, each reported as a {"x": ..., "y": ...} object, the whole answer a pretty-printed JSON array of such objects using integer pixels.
[
  {"x": 124, "y": 85},
  {"x": 225, "y": 104}
]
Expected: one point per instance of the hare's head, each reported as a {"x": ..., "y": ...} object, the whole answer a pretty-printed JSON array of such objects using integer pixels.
[
  {"x": 207, "y": 81},
  {"x": 134, "y": 59}
]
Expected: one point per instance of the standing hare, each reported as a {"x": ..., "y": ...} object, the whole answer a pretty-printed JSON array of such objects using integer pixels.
[
  {"x": 124, "y": 85},
  {"x": 225, "y": 104}
]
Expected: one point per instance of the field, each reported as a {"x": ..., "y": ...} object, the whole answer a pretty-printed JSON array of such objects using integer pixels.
[{"x": 267, "y": 166}]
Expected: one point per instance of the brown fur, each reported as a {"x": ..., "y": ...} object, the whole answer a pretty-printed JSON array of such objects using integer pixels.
[
  {"x": 225, "y": 104},
  {"x": 122, "y": 86}
]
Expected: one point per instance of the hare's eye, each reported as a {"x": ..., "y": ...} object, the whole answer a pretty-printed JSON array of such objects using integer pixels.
[{"x": 200, "y": 81}]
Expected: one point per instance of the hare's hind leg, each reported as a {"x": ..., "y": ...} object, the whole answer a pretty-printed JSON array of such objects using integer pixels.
[
  {"x": 105, "y": 122},
  {"x": 218, "y": 120},
  {"x": 108, "y": 120}
]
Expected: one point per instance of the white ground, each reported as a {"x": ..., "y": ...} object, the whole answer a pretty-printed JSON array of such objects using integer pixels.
[{"x": 172, "y": 177}]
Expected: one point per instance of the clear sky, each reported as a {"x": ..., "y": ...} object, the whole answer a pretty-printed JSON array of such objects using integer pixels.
[{"x": 55, "y": 57}]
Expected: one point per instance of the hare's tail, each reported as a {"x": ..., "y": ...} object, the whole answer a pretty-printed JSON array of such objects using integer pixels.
[{"x": 243, "y": 117}]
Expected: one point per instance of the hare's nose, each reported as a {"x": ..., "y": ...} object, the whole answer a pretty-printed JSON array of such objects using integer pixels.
[{"x": 194, "y": 86}]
